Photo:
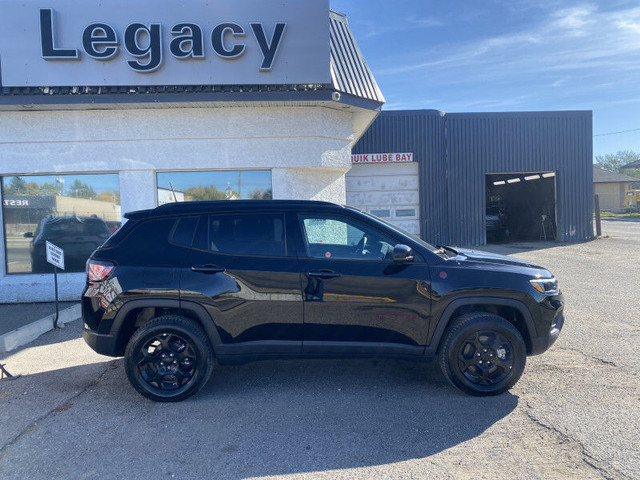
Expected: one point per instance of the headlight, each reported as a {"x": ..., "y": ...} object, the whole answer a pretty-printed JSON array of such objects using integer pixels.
[{"x": 548, "y": 286}]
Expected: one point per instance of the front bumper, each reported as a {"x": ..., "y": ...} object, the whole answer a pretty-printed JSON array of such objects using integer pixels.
[{"x": 549, "y": 325}]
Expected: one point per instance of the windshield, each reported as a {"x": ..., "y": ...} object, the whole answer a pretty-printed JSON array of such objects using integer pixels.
[{"x": 395, "y": 228}]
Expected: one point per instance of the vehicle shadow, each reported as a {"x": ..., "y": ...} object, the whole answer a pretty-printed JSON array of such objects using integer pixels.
[
  {"x": 260, "y": 419},
  {"x": 294, "y": 417}
]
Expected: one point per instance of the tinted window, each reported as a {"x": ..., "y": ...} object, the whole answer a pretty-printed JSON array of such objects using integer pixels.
[
  {"x": 341, "y": 238},
  {"x": 247, "y": 234},
  {"x": 148, "y": 237},
  {"x": 184, "y": 230}
]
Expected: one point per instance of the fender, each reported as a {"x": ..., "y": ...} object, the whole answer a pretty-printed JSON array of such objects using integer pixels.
[
  {"x": 443, "y": 322},
  {"x": 197, "y": 310}
]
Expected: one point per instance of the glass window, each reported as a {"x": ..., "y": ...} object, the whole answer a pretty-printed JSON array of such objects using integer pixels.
[
  {"x": 184, "y": 231},
  {"x": 340, "y": 238},
  {"x": 214, "y": 185},
  {"x": 406, "y": 212},
  {"x": 381, "y": 213},
  {"x": 249, "y": 234},
  {"x": 75, "y": 212}
]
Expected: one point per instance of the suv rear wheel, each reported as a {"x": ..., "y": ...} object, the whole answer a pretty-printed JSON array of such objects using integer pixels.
[
  {"x": 168, "y": 359},
  {"x": 483, "y": 354}
]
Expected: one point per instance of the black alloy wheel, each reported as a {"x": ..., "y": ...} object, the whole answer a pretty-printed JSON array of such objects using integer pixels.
[
  {"x": 483, "y": 354},
  {"x": 168, "y": 359}
]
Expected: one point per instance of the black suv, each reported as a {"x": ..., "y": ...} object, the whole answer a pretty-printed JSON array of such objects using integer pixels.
[{"x": 181, "y": 285}]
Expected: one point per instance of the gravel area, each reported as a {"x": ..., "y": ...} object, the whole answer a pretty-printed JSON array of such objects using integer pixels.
[{"x": 574, "y": 414}]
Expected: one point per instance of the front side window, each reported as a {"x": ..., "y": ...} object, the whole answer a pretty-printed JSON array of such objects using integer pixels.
[
  {"x": 348, "y": 239},
  {"x": 214, "y": 185},
  {"x": 75, "y": 212},
  {"x": 247, "y": 234}
]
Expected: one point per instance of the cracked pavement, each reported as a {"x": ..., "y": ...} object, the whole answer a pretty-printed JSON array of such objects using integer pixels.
[{"x": 574, "y": 414}]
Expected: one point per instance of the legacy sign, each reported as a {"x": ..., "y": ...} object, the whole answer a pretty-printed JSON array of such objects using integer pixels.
[{"x": 163, "y": 42}]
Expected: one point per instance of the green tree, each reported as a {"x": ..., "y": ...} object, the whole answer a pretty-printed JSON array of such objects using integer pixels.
[
  {"x": 82, "y": 190},
  {"x": 259, "y": 194},
  {"x": 202, "y": 193},
  {"x": 49, "y": 189},
  {"x": 17, "y": 186},
  {"x": 615, "y": 161}
]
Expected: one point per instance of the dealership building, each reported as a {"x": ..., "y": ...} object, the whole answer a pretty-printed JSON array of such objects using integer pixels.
[{"x": 109, "y": 110}]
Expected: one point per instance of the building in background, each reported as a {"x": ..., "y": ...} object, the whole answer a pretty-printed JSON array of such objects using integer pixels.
[
  {"x": 611, "y": 187},
  {"x": 469, "y": 178}
]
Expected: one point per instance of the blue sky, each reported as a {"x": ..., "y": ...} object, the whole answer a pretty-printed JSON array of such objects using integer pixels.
[{"x": 501, "y": 55}]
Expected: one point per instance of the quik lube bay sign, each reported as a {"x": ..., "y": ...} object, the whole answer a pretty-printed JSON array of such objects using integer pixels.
[{"x": 163, "y": 42}]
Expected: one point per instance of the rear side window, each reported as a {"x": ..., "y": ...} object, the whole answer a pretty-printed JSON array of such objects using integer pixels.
[
  {"x": 146, "y": 236},
  {"x": 183, "y": 231},
  {"x": 247, "y": 234},
  {"x": 122, "y": 232}
]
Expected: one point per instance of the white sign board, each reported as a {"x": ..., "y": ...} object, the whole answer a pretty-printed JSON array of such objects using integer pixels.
[
  {"x": 49, "y": 43},
  {"x": 55, "y": 255},
  {"x": 382, "y": 158}
]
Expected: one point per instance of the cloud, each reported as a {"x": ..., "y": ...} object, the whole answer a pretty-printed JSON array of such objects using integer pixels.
[{"x": 563, "y": 41}]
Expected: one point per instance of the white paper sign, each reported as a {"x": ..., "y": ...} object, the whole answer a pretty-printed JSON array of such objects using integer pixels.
[{"x": 55, "y": 255}]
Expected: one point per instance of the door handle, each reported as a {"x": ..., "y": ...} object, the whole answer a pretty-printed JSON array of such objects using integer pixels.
[
  {"x": 324, "y": 274},
  {"x": 207, "y": 269}
]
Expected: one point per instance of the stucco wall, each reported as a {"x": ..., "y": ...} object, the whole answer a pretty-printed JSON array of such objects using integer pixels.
[
  {"x": 611, "y": 195},
  {"x": 307, "y": 148}
]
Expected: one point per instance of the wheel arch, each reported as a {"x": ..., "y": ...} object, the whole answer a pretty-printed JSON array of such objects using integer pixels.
[
  {"x": 136, "y": 312},
  {"x": 511, "y": 310}
]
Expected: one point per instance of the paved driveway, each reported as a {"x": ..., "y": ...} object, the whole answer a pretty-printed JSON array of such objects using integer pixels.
[{"x": 574, "y": 414}]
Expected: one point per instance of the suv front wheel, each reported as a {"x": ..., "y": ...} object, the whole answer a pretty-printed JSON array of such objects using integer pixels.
[
  {"x": 168, "y": 359},
  {"x": 483, "y": 354}
]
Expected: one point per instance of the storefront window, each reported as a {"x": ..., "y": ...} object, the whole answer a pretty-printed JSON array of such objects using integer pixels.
[
  {"x": 214, "y": 185},
  {"x": 75, "y": 212}
]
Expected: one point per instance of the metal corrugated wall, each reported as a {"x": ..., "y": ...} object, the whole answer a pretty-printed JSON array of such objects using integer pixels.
[
  {"x": 420, "y": 132},
  {"x": 457, "y": 151},
  {"x": 480, "y": 144}
]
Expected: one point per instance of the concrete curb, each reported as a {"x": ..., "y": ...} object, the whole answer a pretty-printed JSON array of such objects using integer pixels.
[{"x": 23, "y": 335}]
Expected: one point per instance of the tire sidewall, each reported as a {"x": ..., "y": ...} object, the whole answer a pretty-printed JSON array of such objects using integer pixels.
[
  {"x": 188, "y": 333},
  {"x": 484, "y": 323}
]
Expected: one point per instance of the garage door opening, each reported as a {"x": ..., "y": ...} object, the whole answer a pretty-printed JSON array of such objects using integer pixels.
[{"x": 521, "y": 207}]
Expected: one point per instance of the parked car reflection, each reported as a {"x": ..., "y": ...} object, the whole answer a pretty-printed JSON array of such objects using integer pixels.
[{"x": 77, "y": 236}]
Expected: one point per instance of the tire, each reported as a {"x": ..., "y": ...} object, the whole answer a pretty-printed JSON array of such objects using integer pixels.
[
  {"x": 169, "y": 359},
  {"x": 482, "y": 354}
]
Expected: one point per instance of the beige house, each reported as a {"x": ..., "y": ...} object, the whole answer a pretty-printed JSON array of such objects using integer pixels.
[{"x": 611, "y": 186}]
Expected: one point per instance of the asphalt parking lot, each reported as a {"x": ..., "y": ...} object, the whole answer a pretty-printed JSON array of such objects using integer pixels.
[{"x": 574, "y": 414}]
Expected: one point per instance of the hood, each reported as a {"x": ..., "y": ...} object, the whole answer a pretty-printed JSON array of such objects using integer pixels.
[{"x": 487, "y": 259}]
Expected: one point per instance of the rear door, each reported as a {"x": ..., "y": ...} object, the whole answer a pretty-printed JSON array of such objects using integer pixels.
[
  {"x": 357, "y": 300},
  {"x": 244, "y": 272}
]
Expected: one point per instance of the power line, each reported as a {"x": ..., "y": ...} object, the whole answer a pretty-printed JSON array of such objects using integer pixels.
[{"x": 617, "y": 133}]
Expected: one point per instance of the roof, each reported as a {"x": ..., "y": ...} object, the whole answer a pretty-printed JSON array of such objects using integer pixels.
[
  {"x": 350, "y": 76},
  {"x": 605, "y": 176},
  {"x": 631, "y": 165},
  {"x": 183, "y": 208},
  {"x": 349, "y": 70}
]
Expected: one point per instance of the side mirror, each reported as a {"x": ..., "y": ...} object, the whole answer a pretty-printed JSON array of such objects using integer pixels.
[
  {"x": 28, "y": 235},
  {"x": 402, "y": 254}
]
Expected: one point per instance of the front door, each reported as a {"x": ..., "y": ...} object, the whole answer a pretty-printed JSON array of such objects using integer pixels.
[
  {"x": 357, "y": 300},
  {"x": 244, "y": 273}
]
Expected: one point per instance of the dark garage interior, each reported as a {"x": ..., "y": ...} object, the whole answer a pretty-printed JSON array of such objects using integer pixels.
[{"x": 521, "y": 207}]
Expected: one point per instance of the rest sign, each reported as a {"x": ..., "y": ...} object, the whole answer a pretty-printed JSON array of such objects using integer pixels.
[{"x": 55, "y": 255}]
